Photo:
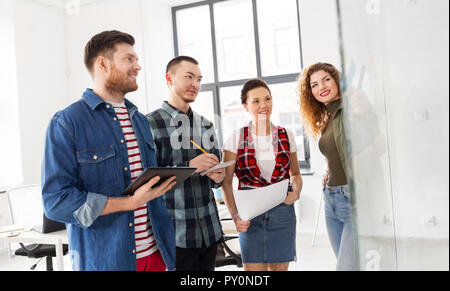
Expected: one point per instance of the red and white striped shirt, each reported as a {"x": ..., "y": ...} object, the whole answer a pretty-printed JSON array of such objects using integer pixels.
[{"x": 145, "y": 240}]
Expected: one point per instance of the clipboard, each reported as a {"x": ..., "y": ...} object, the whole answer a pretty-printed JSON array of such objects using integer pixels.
[
  {"x": 181, "y": 174},
  {"x": 219, "y": 166}
]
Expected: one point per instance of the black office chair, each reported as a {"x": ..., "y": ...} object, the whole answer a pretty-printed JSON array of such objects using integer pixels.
[
  {"x": 40, "y": 251},
  {"x": 25, "y": 205},
  {"x": 228, "y": 251}
]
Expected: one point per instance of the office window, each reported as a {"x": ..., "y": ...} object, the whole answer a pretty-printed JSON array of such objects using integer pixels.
[
  {"x": 232, "y": 110},
  {"x": 278, "y": 34},
  {"x": 236, "y": 40},
  {"x": 194, "y": 37},
  {"x": 203, "y": 104},
  {"x": 286, "y": 113}
]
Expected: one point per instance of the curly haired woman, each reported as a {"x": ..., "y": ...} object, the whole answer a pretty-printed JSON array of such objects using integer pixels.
[{"x": 320, "y": 105}]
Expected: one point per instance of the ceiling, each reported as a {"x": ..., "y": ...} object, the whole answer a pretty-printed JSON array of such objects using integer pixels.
[{"x": 63, "y": 3}]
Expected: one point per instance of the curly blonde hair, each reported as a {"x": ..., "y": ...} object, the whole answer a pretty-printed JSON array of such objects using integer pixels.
[{"x": 315, "y": 114}]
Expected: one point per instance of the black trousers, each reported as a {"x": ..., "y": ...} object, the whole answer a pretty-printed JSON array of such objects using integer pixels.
[{"x": 196, "y": 259}]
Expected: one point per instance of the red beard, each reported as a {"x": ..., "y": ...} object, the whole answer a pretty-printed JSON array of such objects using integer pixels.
[{"x": 120, "y": 82}]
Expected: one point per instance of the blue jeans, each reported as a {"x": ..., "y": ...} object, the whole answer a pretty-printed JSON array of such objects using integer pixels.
[{"x": 338, "y": 217}]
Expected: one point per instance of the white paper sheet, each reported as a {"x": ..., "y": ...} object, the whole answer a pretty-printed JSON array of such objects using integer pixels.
[{"x": 251, "y": 203}]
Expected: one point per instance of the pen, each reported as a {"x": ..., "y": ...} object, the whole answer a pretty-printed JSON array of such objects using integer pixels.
[{"x": 197, "y": 146}]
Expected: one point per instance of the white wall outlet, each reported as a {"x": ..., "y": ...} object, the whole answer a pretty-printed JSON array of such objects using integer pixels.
[{"x": 429, "y": 220}]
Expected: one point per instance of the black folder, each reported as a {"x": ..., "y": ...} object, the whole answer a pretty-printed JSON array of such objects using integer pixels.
[{"x": 181, "y": 174}]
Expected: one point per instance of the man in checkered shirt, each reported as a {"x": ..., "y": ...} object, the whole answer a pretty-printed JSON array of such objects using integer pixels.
[{"x": 192, "y": 206}]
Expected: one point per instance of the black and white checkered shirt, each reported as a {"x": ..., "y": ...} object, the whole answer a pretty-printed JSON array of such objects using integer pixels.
[{"x": 192, "y": 205}]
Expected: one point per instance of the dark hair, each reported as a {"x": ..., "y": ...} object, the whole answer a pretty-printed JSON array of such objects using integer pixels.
[
  {"x": 177, "y": 60},
  {"x": 104, "y": 43},
  {"x": 250, "y": 85}
]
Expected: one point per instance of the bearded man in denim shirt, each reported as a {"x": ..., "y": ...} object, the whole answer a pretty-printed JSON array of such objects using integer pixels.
[{"x": 87, "y": 165}]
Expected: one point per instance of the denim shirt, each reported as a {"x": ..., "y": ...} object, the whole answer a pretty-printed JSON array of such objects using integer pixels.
[{"x": 85, "y": 162}]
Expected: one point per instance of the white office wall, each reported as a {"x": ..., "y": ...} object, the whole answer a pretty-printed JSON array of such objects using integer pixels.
[
  {"x": 94, "y": 18},
  {"x": 150, "y": 22},
  {"x": 419, "y": 137},
  {"x": 157, "y": 27},
  {"x": 319, "y": 31},
  {"x": 41, "y": 79},
  {"x": 10, "y": 155}
]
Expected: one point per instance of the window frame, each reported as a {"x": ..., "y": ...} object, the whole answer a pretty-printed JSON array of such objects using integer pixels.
[{"x": 216, "y": 85}]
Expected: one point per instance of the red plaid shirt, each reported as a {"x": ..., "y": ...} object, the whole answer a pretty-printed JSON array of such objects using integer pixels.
[{"x": 247, "y": 169}]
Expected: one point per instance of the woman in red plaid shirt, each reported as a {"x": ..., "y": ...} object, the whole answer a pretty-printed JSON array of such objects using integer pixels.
[{"x": 265, "y": 154}]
